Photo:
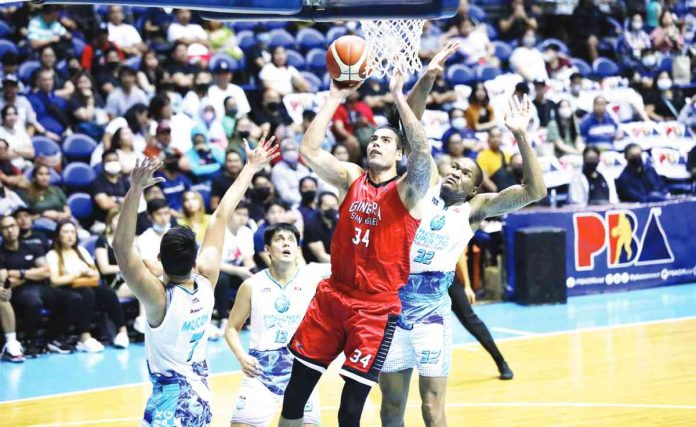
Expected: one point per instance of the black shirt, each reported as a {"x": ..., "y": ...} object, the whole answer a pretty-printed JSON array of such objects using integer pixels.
[
  {"x": 103, "y": 185},
  {"x": 24, "y": 258},
  {"x": 103, "y": 243},
  {"x": 221, "y": 182},
  {"x": 545, "y": 111},
  {"x": 316, "y": 230},
  {"x": 599, "y": 190},
  {"x": 37, "y": 240},
  {"x": 261, "y": 116}
]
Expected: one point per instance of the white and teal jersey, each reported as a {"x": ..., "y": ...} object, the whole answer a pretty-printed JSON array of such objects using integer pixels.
[
  {"x": 276, "y": 312},
  {"x": 178, "y": 345}
]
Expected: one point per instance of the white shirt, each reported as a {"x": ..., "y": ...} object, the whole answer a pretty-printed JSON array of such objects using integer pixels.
[
  {"x": 10, "y": 202},
  {"x": 148, "y": 245},
  {"x": 217, "y": 97},
  {"x": 17, "y": 137},
  {"x": 579, "y": 189},
  {"x": 72, "y": 264},
  {"x": 474, "y": 46},
  {"x": 238, "y": 246},
  {"x": 279, "y": 79},
  {"x": 124, "y": 35},
  {"x": 177, "y": 31},
  {"x": 529, "y": 63},
  {"x": 117, "y": 103}
]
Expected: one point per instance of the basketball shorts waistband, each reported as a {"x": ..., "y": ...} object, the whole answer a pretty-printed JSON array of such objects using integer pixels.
[{"x": 381, "y": 297}]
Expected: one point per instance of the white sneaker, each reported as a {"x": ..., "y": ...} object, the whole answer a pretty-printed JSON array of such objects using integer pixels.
[
  {"x": 121, "y": 340},
  {"x": 12, "y": 352},
  {"x": 139, "y": 324},
  {"x": 90, "y": 346},
  {"x": 214, "y": 333}
]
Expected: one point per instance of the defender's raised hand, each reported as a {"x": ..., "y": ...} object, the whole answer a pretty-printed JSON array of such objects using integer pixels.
[
  {"x": 141, "y": 175},
  {"x": 518, "y": 116},
  {"x": 396, "y": 84},
  {"x": 264, "y": 152},
  {"x": 437, "y": 63}
]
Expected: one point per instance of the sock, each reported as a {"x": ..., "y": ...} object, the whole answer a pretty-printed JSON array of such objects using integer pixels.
[{"x": 11, "y": 337}]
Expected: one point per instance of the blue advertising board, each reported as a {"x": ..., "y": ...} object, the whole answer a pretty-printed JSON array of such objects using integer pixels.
[{"x": 617, "y": 247}]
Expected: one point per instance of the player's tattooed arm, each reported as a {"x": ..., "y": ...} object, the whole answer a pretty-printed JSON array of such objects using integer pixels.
[
  {"x": 417, "y": 181},
  {"x": 532, "y": 187}
]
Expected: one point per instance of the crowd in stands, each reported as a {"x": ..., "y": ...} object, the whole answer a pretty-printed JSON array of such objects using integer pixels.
[{"x": 89, "y": 90}]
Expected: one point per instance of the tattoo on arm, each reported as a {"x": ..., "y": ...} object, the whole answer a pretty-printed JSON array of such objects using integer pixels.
[{"x": 419, "y": 162}]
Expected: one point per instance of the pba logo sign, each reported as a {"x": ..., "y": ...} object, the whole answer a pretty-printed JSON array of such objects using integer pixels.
[{"x": 625, "y": 241}]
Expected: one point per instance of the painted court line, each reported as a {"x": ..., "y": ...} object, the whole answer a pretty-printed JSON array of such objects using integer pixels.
[
  {"x": 515, "y": 332},
  {"x": 466, "y": 346}
]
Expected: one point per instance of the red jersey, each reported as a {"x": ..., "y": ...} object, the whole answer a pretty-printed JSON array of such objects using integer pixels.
[{"x": 372, "y": 242}]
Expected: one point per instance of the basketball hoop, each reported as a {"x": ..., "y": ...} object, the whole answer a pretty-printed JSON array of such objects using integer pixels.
[{"x": 394, "y": 45}]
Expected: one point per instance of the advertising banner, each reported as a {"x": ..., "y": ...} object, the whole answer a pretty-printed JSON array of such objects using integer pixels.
[{"x": 617, "y": 247}]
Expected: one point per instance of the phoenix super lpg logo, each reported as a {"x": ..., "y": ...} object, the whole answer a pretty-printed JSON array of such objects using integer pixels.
[{"x": 618, "y": 236}]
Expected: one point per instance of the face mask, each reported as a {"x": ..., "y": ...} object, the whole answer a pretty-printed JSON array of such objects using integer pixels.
[
  {"x": 112, "y": 168},
  {"x": 112, "y": 65},
  {"x": 291, "y": 156},
  {"x": 172, "y": 166},
  {"x": 459, "y": 123},
  {"x": 159, "y": 229},
  {"x": 636, "y": 25},
  {"x": 565, "y": 112},
  {"x": 529, "y": 41},
  {"x": 664, "y": 84},
  {"x": 547, "y": 57},
  {"x": 244, "y": 134},
  {"x": 331, "y": 214},
  {"x": 590, "y": 167},
  {"x": 636, "y": 162},
  {"x": 260, "y": 193},
  {"x": 231, "y": 112},
  {"x": 604, "y": 7},
  {"x": 649, "y": 61},
  {"x": 273, "y": 106},
  {"x": 202, "y": 87},
  {"x": 575, "y": 89},
  {"x": 308, "y": 196}
]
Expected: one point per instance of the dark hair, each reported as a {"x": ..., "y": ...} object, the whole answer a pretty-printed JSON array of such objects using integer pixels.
[
  {"x": 274, "y": 229},
  {"x": 59, "y": 250},
  {"x": 108, "y": 152},
  {"x": 178, "y": 251},
  {"x": 259, "y": 175},
  {"x": 326, "y": 194},
  {"x": 157, "y": 103},
  {"x": 472, "y": 98},
  {"x": 400, "y": 138},
  {"x": 116, "y": 139},
  {"x": 631, "y": 146},
  {"x": 276, "y": 202},
  {"x": 125, "y": 70},
  {"x": 575, "y": 75},
  {"x": 451, "y": 112},
  {"x": 308, "y": 178},
  {"x": 553, "y": 46},
  {"x": 131, "y": 117},
  {"x": 10, "y": 58},
  {"x": 590, "y": 149},
  {"x": 242, "y": 205},
  {"x": 309, "y": 115},
  {"x": 234, "y": 152},
  {"x": 6, "y": 109},
  {"x": 338, "y": 145},
  {"x": 156, "y": 204}
]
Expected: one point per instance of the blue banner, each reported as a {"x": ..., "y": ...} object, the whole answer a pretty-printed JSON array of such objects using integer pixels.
[{"x": 617, "y": 247}]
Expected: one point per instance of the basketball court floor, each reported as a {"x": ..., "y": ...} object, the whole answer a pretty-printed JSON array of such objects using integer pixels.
[{"x": 613, "y": 359}]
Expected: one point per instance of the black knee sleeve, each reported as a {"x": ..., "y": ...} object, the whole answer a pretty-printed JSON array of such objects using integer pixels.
[
  {"x": 353, "y": 400},
  {"x": 302, "y": 382}
]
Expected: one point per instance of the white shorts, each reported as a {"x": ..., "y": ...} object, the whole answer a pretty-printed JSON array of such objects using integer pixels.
[
  {"x": 428, "y": 347},
  {"x": 257, "y": 405}
]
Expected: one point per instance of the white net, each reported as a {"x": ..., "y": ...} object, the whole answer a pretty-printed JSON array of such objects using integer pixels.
[{"x": 393, "y": 44}]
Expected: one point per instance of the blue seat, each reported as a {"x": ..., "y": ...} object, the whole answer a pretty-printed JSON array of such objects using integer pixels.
[
  {"x": 245, "y": 40},
  {"x": 244, "y": 25},
  {"x": 492, "y": 32},
  {"x": 583, "y": 67},
  {"x": 204, "y": 190},
  {"x": 80, "y": 205},
  {"x": 459, "y": 74},
  {"x": 44, "y": 146},
  {"x": 605, "y": 67},
  {"x": 27, "y": 69},
  {"x": 334, "y": 33},
  {"x": 5, "y": 29},
  {"x": 665, "y": 64},
  {"x": 55, "y": 179},
  {"x": 503, "y": 51},
  {"x": 280, "y": 37},
  {"x": 78, "y": 147},
  {"x": 316, "y": 60},
  {"x": 542, "y": 46},
  {"x": 488, "y": 72},
  {"x": 476, "y": 13},
  {"x": 133, "y": 62},
  {"x": 234, "y": 64},
  {"x": 309, "y": 38},
  {"x": 78, "y": 176},
  {"x": 7, "y": 46},
  {"x": 315, "y": 83},
  {"x": 295, "y": 59},
  {"x": 274, "y": 25}
]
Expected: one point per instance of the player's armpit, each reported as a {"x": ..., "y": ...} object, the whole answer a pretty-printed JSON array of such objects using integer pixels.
[{"x": 330, "y": 169}]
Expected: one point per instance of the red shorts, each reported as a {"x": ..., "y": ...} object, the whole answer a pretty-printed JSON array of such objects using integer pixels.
[{"x": 340, "y": 319}]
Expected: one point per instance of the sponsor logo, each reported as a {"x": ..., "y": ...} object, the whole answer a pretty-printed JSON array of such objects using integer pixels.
[
  {"x": 265, "y": 290},
  {"x": 282, "y": 304},
  {"x": 624, "y": 241},
  {"x": 437, "y": 223}
]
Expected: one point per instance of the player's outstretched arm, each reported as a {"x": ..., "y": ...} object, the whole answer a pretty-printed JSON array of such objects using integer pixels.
[
  {"x": 330, "y": 169},
  {"x": 418, "y": 96},
  {"x": 532, "y": 187},
  {"x": 208, "y": 261},
  {"x": 241, "y": 310},
  {"x": 414, "y": 185},
  {"x": 146, "y": 287}
]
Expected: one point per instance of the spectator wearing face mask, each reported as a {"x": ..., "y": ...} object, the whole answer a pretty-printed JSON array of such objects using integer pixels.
[
  {"x": 480, "y": 115},
  {"x": 308, "y": 190},
  {"x": 223, "y": 180},
  {"x": 208, "y": 120},
  {"x": 528, "y": 61},
  {"x": 460, "y": 145},
  {"x": 663, "y": 102},
  {"x": 590, "y": 186},
  {"x": 272, "y": 112},
  {"x": 545, "y": 108},
  {"x": 261, "y": 194},
  {"x": 223, "y": 88},
  {"x": 110, "y": 186},
  {"x": 287, "y": 173},
  {"x": 125, "y": 96},
  {"x": 562, "y": 131},
  {"x": 634, "y": 42},
  {"x": 205, "y": 159},
  {"x": 198, "y": 94},
  {"x": 457, "y": 122},
  {"x": 556, "y": 63},
  {"x": 599, "y": 128},
  {"x": 316, "y": 245},
  {"x": 668, "y": 38},
  {"x": 573, "y": 95},
  {"x": 639, "y": 182}
]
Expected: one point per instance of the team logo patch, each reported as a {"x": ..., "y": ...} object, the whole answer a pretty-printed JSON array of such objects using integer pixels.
[
  {"x": 437, "y": 223},
  {"x": 282, "y": 304},
  {"x": 241, "y": 403}
]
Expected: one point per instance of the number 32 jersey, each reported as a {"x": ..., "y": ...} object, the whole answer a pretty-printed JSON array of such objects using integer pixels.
[{"x": 372, "y": 240}]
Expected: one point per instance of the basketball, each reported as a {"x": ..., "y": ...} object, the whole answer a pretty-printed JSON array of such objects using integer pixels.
[{"x": 346, "y": 60}]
